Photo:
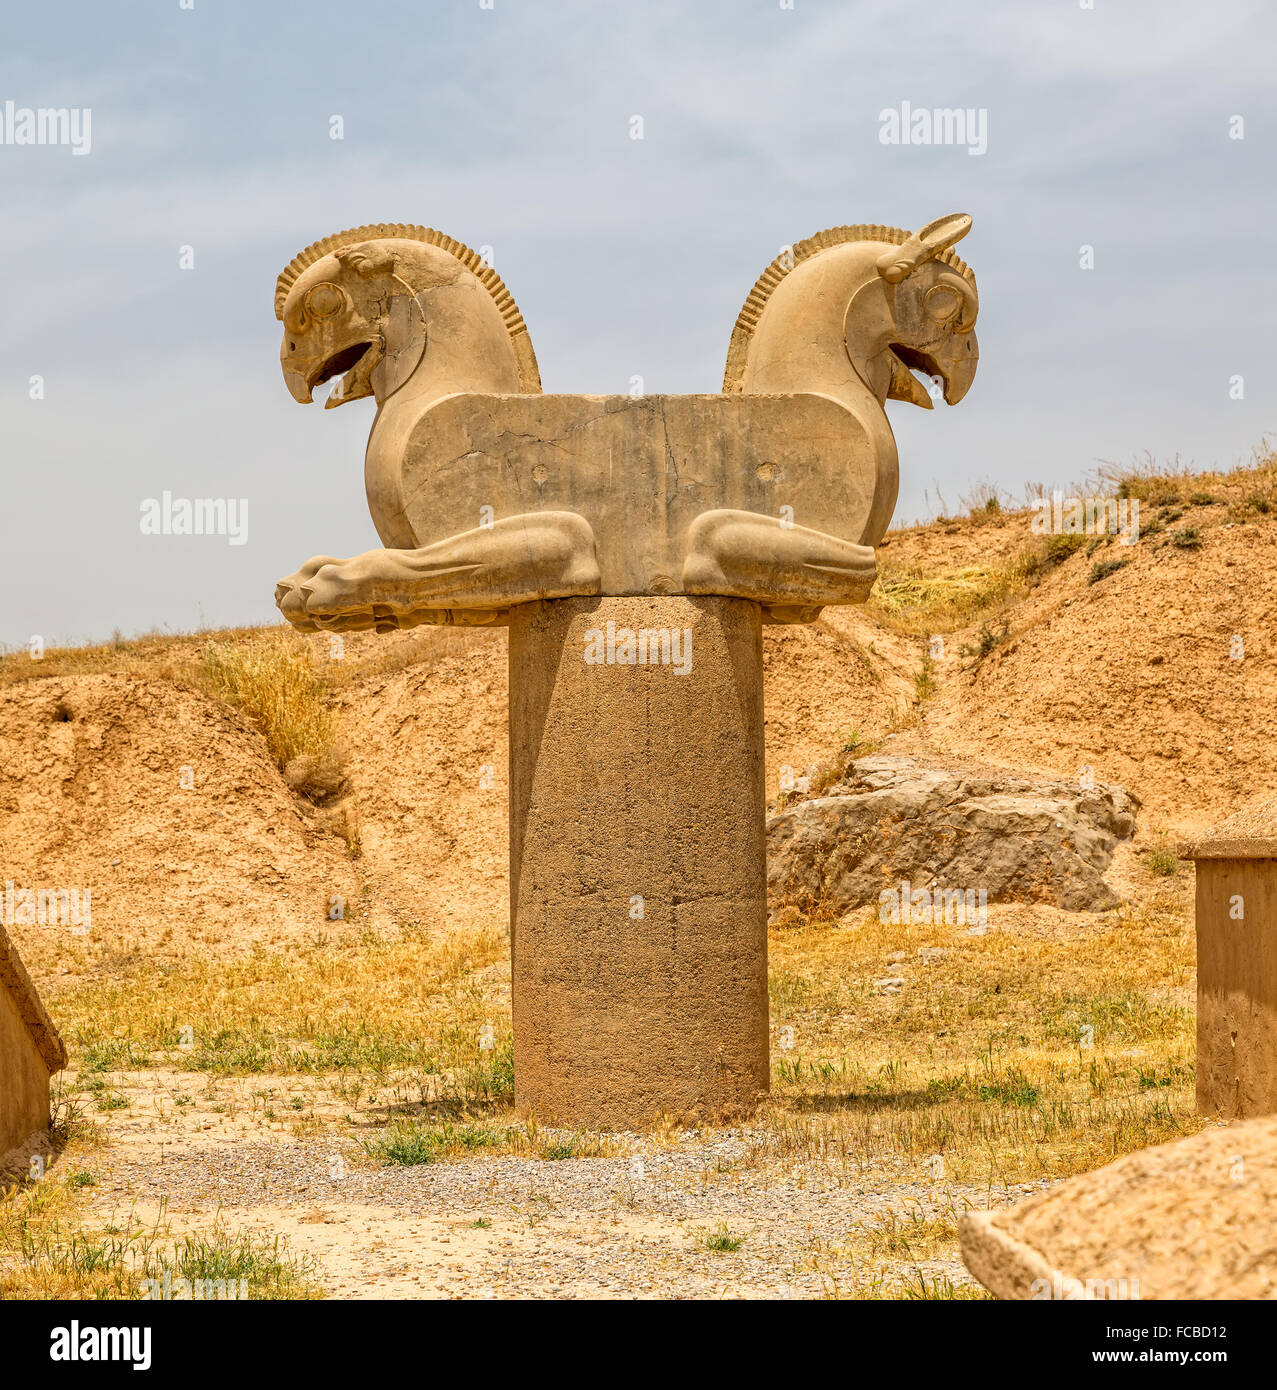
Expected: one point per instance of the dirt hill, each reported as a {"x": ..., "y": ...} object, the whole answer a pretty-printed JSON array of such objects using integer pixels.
[
  {"x": 1057, "y": 656},
  {"x": 164, "y": 804},
  {"x": 1159, "y": 675}
]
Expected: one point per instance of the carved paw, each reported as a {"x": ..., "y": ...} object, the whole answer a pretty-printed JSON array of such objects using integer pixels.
[
  {"x": 332, "y": 595},
  {"x": 331, "y": 589},
  {"x": 291, "y": 593}
]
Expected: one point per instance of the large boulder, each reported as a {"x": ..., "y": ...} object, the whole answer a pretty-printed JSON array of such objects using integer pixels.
[
  {"x": 891, "y": 820},
  {"x": 1196, "y": 1219}
]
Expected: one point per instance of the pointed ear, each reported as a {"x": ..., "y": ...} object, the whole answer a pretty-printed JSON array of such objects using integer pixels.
[{"x": 923, "y": 246}]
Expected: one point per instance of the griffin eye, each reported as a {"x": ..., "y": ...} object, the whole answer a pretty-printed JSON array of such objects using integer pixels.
[
  {"x": 942, "y": 302},
  {"x": 324, "y": 301}
]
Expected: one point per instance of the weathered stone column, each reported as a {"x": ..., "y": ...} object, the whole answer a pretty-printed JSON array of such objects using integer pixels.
[{"x": 637, "y": 857}]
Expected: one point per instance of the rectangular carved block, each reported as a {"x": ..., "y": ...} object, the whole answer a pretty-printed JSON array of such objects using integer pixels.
[{"x": 1237, "y": 987}]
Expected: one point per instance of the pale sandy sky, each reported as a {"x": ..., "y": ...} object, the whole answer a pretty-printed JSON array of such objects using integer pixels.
[{"x": 510, "y": 127}]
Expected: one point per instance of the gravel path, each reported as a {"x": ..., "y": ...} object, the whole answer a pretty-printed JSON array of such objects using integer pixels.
[{"x": 625, "y": 1226}]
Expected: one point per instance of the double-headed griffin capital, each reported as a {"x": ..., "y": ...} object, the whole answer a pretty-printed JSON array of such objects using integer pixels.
[{"x": 487, "y": 493}]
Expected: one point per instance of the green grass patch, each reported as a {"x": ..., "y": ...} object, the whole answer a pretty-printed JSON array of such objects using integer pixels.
[
  {"x": 407, "y": 1143},
  {"x": 1161, "y": 860},
  {"x": 721, "y": 1240},
  {"x": 1101, "y": 569}
]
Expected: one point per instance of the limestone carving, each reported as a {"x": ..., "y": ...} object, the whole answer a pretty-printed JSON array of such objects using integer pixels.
[{"x": 487, "y": 494}]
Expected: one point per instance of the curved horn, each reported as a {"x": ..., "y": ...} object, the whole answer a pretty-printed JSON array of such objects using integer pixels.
[
  {"x": 923, "y": 246},
  {"x": 939, "y": 235}
]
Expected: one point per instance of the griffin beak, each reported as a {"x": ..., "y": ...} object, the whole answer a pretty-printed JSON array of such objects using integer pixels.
[
  {"x": 954, "y": 365},
  {"x": 353, "y": 364},
  {"x": 957, "y": 369},
  {"x": 298, "y": 386}
]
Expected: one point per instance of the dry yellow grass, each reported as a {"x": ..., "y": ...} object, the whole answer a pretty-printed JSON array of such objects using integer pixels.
[
  {"x": 273, "y": 680},
  {"x": 280, "y": 679},
  {"x": 51, "y": 1248},
  {"x": 266, "y": 672},
  {"x": 913, "y": 600},
  {"x": 180, "y": 656},
  {"x": 411, "y": 1012},
  {"x": 1013, "y": 1057},
  {"x": 1174, "y": 481},
  {"x": 165, "y": 656},
  {"x": 274, "y": 683}
]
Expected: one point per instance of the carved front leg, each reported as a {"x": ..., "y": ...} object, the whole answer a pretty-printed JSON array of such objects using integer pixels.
[
  {"x": 468, "y": 577},
  {"x": 790, "y": 570}
]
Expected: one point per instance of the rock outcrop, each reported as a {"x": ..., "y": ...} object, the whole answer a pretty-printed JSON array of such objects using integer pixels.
[{"x": 892, "y": 820}]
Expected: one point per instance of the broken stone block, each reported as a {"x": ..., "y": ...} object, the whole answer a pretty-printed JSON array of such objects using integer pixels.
[{"x": 1196, "y": 1218}]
